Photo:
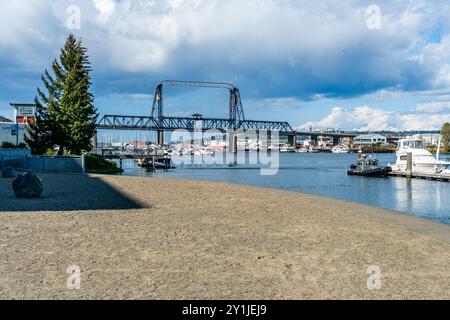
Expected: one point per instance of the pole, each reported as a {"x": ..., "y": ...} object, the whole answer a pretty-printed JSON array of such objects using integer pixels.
[
  {"x": 439, "y": 148},
  {"x": 83, "y": 164},
  {"x": 17, "y": 132}
]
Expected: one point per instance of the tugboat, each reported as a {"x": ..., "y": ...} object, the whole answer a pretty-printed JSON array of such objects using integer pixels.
[{"x": 369, "y": 167}]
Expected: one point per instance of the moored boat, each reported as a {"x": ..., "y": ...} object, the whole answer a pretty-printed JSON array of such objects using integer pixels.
[
  {"x": 369, "y": 167},
  {"x": 423, "y": 161},
  {"x": 340, "y": 149}
]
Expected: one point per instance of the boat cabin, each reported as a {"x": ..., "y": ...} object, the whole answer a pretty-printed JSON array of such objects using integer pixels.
[
  {"x": 367, "y": 162},
  {"x": 411, "y": 144}
]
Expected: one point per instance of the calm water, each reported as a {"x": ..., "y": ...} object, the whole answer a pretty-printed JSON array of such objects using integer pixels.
[{"x": 324, "y": 174}]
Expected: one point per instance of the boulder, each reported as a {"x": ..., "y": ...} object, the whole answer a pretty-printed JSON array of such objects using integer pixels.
[
  {"x": 28, "y": 185},
  {"x": 8, "y": 172}
]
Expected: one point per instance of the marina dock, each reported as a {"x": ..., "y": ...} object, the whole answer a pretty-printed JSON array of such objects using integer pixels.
[{"x": 424, "y": 176}]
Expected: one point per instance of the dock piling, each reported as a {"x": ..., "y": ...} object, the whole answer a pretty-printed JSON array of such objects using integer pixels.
[{"x": 409, "y": 165}]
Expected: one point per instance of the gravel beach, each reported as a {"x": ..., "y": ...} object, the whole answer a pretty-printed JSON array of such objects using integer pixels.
[{"x": 148, "y": 238}]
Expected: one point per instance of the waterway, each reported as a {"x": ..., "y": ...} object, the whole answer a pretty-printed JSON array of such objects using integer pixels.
[{"x": 325, "y": 174}]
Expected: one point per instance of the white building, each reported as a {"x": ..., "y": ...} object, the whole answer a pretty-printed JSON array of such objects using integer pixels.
[{"x": 369, "y": 139}]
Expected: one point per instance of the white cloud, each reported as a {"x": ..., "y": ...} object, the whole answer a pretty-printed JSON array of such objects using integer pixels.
[
  {"x": 433, "y": 107},
  {"x": 106, "y": 9},
  {"x": 280, "y": 40},
  {"x": 371, "y": 119},
  {"x": 277, "y": 48}
]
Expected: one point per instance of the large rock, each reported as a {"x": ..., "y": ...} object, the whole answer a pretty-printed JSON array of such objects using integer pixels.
[
  {"x": 8, "y": 172},
  {"x": 28, "y": 185}
]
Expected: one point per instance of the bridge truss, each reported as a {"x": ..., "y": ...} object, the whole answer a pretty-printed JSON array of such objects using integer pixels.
[
  {"x": 145, "y": 123},
  {"x": 158, "y": 122}
]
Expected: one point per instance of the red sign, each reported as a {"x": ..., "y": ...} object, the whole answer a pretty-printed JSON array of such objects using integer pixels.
[{"x": 24, "y": 120}]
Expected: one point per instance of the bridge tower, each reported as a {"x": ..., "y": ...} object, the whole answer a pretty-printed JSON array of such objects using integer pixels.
[
  {"x": 236, "y": 110},
  {"x": 157, "y": 111}
]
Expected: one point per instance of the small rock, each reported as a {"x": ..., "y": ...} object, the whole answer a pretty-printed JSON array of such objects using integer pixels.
[
  {"x": 8, "y": 172},
  {"x": 28, "y": 185}
]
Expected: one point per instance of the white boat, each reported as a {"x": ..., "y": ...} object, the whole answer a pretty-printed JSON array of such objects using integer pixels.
[
  {"x": 423, "y": 161},
  {"x": 286, "y": 149},
  {"x": 340, "y": 149}
]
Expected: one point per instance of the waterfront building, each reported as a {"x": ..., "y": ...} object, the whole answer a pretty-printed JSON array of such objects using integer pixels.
[
  {"x": 11, "y": 132},
  {"x": 369, "y": 139},
  {"x": 24, "y": 112}
]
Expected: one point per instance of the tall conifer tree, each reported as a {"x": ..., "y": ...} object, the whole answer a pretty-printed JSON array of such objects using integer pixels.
[{"x": 66, "y": 115}]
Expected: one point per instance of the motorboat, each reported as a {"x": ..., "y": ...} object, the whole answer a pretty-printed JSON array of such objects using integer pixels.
[
  {"x": 423, "y": 161},
  {"x": 369, "y": 167},
  {"x": 340, "y": 149},
  {"x": 287, "y": 149}
]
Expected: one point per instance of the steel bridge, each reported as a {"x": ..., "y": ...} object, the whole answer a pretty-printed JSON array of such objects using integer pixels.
[
  {"x": 160, "y": 123},
  {"x": 146, "y": 123}
]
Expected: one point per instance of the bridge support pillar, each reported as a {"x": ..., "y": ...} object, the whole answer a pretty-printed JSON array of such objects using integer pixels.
[
  {"x": 232, "y": 146},
  {"x": 160, "y": 138},
  {"x": 336, "y": 141},
  {"x": 292, "y": 140}
]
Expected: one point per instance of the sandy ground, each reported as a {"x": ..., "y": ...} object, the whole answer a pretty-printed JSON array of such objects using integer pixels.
[{"x": 142, "y": 238}]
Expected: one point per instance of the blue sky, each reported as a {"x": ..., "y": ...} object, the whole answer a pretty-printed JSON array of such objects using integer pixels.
[{"x": 320, "y": 64}]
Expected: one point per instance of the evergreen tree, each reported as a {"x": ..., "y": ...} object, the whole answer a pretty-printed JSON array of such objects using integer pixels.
[
  {"x": 41, "y": 132},
  {"x": 445, "y": 133},
  {"x": 66, "y": 116}
]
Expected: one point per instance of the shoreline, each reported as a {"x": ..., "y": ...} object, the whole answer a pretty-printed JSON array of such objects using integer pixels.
[
  {"x": 417, "y": 223},
  {"x": 439, "y": 230},
  {"x": 392, "y": 211},
  {"x": 163, "y": 238}
]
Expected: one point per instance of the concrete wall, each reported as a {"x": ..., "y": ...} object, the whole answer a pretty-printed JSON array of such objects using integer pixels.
[
  {"x": 22, "y": 159},
  {"x": 59, "y": 164}
]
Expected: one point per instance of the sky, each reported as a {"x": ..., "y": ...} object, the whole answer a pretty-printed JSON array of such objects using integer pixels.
[{"x": 347, "y": 64}]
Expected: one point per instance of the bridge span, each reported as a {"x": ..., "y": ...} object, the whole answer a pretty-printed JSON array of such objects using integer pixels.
[{"x": 160, "y": 123}]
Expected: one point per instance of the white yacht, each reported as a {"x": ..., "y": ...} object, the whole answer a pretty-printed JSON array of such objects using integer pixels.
[
  {"x": 286, "y": 148},
  {"x": 301, "y": 150},
  {"x": 340, "y": 149},
  {"x": 423, "y": 161}
]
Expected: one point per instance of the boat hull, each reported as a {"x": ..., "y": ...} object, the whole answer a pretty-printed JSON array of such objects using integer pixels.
[{"x": 376, "y": 172}]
